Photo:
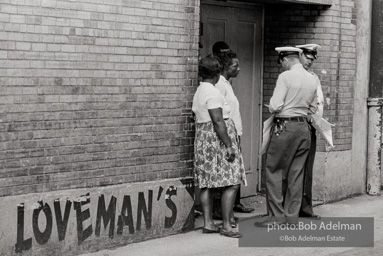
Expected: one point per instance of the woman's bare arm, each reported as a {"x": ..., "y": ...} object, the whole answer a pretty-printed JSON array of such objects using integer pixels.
[{"x": 221, "y": 130}]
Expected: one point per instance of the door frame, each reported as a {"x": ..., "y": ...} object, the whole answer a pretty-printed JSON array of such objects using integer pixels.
[{"x": 246, "y": 5}]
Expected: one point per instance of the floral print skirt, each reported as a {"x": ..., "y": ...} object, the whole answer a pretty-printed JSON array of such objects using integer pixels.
[{"x": 211, "y": 169}]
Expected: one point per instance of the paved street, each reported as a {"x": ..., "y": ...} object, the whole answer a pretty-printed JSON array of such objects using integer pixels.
[{"x": 196, "y": 243}]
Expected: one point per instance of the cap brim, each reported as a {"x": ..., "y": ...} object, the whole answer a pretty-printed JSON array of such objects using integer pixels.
[
  {"x": 310, "y": 55},
  {"x": 284, "y": 54}
]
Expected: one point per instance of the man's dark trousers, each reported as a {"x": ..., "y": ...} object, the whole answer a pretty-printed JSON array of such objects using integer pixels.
[
  {"x": 307, "y": 207},
  {"x": 285, "y": 162}
]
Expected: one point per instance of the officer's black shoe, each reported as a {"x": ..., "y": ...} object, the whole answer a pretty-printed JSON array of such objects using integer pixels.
[
  {"x": 315, "y": 216},
  {"x": 243, "y": 209},
  {"x": 312, "y": 215}
]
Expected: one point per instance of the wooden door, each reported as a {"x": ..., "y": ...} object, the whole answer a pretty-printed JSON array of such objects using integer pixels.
[{"x": 240, "y": 26}]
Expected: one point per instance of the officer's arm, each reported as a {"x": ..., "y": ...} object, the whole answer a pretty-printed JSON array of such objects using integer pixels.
[
  {"x": 320, "y": 99},
  {"x": 278, "y": 99},
  {"x": 314, "y": 103}
]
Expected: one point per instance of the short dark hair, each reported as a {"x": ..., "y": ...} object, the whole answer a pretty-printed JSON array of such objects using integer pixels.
[
  {"x": 208, "y": 67},
  {"x": 226, "y": 58},
  {"x": 220, "y": 47}
]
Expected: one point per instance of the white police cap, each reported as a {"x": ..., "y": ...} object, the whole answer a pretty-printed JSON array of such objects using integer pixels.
[
  {"x": 310, "y": 50},
  {"x": 287, "y": 50},
  {"x": 311, "y": 47}
]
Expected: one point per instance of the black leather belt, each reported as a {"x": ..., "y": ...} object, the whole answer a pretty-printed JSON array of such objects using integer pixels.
[{"x": 292, "y": 119}]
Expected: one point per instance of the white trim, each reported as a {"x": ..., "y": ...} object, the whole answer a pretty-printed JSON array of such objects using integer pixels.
[
  {"x": 321, "y": 2},
  {"x": 361, "y": 89},
  {"x": 237, "y": 4}
]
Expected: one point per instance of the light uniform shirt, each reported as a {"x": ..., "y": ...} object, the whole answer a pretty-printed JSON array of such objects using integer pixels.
[
  {"x": 226, "y": 90},
  {"x": 208, "y": 97},
  {"x": 319, "y": 95},
  {"x": 295, "y": 93}
]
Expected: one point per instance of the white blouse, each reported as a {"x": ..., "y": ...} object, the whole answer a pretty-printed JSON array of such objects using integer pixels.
[
  {"x": 226, "y": 90},
  {"x": 208, "y": 97}
]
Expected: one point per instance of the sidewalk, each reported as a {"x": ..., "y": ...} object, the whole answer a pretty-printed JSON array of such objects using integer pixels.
[
  {"x": 196, "y": 243},
  {"x": 257, "y": 202}
]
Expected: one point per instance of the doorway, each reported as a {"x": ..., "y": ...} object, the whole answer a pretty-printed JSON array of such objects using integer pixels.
[{"x": 241, "y": 27}]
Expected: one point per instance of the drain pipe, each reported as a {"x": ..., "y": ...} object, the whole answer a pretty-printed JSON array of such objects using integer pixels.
[
  {"x": 375, "y": 102},
  {"x": 374, "y": 146}
]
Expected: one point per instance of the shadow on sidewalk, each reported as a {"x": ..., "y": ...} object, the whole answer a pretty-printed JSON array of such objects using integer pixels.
[{"x": 257, "y": 202}]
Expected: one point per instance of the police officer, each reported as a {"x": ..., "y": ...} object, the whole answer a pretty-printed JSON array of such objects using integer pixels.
[
  {"x": 307, "y": 58},
  {"x": 286, "y": 156}
]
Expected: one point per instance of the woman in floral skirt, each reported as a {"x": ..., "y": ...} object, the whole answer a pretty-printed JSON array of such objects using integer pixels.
[{"x": 217, "y": 159}]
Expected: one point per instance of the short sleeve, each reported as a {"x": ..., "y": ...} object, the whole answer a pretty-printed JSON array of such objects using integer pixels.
[
  {"x": 213, "y": 98},
  {"x": 214, "y": 102}
]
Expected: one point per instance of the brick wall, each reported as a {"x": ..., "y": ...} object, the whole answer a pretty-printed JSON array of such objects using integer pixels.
[
  {"x": 95, "y": 92},
  {"x": 334, "y": 28}
]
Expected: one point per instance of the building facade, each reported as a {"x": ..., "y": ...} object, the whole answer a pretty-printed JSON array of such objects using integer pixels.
[
  {"x": 96, "y": 128},
  {"x": 97, "y": 132}
]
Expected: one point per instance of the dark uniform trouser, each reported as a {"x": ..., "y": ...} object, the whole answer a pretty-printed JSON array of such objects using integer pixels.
[
  {"x": 285, "y": 162},
  {"x": 307, "y": 207}
]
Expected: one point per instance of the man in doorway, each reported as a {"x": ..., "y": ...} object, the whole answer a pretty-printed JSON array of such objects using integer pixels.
[
  {"x": 307, "y": 58},
  {"x": 293, "y": 98}
]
